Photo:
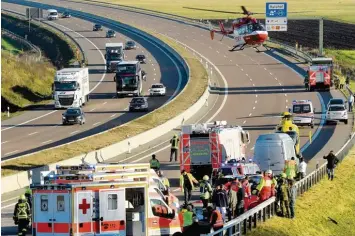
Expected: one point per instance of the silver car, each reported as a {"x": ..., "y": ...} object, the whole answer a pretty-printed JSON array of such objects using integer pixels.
[{"x": 337, "y": 113}]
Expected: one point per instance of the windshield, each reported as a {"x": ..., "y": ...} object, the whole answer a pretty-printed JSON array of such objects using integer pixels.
[
  {"x": 140, "y": 57},
  {"x": 65, "y": 86},
  {"x": 157, "y": 86},
  {"x": 301, "y": 108},
  {"x": 337, "y": 108},
  {"x": 227, "y": 171},
  {"x": 138, "y": 100},
  {"x": 293, "y": 135},
  {"x": 127, "y": 80},
  {"x": 111, "y": 32},
  {"x": 336, "y": 101},
  {"x": 160, "y": 193},
  {"x": 98, "y": 26},
  {"x": 73, "y": 111},
  {"x": 53, "y": 13},
  {"x": 114, "y": 56},
  {"x": 130, "y": 43},
  {"x": 126, "y": 69}
]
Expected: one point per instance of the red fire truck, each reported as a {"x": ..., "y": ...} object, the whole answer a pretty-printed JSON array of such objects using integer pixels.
[
  {"x": 320, "y": 74},
  {"x": 203, "y": 147}
]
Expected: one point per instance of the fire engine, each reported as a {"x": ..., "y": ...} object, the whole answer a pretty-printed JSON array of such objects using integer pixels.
[
  {"x": 320, "y": 74},
  {"x": 303, "y": 112},
  {"x": 203, "y": 147},
  {"x": 73, "y": 203}
]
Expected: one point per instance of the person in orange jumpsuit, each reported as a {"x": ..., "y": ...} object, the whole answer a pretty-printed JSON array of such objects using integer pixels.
[{"x": 266, "y": 187}]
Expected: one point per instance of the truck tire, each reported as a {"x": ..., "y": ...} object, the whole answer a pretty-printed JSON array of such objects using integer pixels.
[
  {"x": 80, "y": 103},
  {"x": 87, "y": 98},
  {"x": 346, "y": 122}
]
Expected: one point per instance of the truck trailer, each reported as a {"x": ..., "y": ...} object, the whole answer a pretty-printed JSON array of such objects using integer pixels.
[
  {"x": 114, "y": 55},
  {"x": 71, "y": 87}
]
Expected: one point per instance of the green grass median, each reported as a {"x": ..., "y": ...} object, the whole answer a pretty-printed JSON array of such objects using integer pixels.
[{"x": 194, "y": 90}]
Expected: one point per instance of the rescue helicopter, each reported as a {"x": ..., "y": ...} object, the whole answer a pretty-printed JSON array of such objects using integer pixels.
[{"x": 246, "y": 31}]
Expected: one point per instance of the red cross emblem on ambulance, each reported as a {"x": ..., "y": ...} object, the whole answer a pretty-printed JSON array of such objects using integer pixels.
[{"x": 84, "y": 206}]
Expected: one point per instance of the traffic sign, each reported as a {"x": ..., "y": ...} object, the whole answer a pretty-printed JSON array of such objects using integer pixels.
[
  {"x": 276, "y": 9},
  {"x": 276, "y": 16}
]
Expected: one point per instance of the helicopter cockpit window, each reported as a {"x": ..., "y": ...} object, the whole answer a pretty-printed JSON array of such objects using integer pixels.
[
  {"x": 242, "y": 30},
  {"x": 258, "y": 27}
]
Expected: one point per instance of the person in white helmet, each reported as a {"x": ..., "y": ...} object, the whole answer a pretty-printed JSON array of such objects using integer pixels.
[
  {"x": 205, "y": 191},
  {"x": 266, "y": 187},
  {"x": 163, "y": 179}
]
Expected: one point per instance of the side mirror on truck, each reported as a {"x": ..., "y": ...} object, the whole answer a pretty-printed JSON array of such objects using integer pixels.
[{"x": 314, "y": 110}]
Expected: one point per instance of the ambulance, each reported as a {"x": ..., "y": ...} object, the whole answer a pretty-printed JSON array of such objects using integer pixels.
[
  {"x": 203, "y": 147},
  {"x": 93, "y": 206},
  {"x": 303, "y": 113}
]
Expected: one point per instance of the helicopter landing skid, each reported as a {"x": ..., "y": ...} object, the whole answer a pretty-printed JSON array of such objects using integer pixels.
[{"x": 234, "y": 48}]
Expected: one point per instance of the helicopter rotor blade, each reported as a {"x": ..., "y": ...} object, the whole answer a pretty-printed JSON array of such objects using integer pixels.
[{"x": 203, "y": 9}]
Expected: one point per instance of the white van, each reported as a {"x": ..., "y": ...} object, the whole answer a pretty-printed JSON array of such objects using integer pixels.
[
  {"x": 272, "y": 150},
  {"x": 52, "y": 14}
]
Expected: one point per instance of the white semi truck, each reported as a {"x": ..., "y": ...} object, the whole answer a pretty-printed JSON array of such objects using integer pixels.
[
  {"x": 71, "y": 87},
  {"x": 114, "y": 55}
]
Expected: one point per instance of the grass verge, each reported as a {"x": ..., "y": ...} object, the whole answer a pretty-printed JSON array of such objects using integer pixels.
[
  {"x": 12, "y": 46},
  {"x": 328, "y": 199},
  {"x": 338, "y": 10},
  {"x": 194, "y": 90}
]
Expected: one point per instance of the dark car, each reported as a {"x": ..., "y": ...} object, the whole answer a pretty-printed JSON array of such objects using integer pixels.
[
  {"x": 141, "y": 58},
  {"x": 66, "y": 15},
  {"x": 110, "y": 34},
  {"x": 73, "y": 115},
  {"x": 130, "y": 45},
  {"x": 138, "y": 104},
  {"x": 97, "y": 27}
]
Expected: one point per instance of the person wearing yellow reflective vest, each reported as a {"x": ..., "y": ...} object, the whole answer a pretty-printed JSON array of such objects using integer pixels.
[
  {"x": 205, "y": 191},
  {"x": 22, "y": 215},
  {"x": 187, "y": 185},
  {"x": 174, "y": 147},
  {"x": 28, "y": 195},
  {"x": 188, "y": 217},
  {"x": 163, "y": 179},
  {"x": 290, "y": 168},
  {"x": 154, "y": 163},
  {"x": 266, "y": 187}
]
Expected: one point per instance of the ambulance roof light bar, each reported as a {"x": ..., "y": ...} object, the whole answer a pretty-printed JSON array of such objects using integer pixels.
[
  {"x": 120, "y": 176},
  {"x": 301, "y": 101},
  {"x": 113, "y": 167}
]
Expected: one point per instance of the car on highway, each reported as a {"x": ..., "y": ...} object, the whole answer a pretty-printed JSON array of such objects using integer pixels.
[
  {"x": 157, "y": 89},
  {"x": 337, "y": 112},
  {"x": 97, "y": 27},
  {"x": 138, "y": 104},
  {"x": 66, "y": 15},
  {"x": 73, "y": 115},
  {"x": 130, "y": 45},
  {"x": 141, "y": 58},
  {"x": 52, "y": 14},
  {"x": 110, "y": 34},
  {"x": 336, "y": 101}
]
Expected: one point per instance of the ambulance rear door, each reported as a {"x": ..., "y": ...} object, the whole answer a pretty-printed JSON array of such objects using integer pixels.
[{"x": 112, "y": 211}]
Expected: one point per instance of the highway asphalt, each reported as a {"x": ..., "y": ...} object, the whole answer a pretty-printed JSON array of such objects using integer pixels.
[
  {"x": 258, "y": 86},
  {"x": 42, "y": 128}
]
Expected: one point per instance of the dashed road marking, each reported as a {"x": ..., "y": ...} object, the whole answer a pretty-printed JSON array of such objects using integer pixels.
[
  {"x": 96, "y": 123},
  {"x": 113, "y": 115},
  {"x": 265, "y": 68},
  {"x": 217, "y": 51},
  {"x": 254, "y": 85},
  {"x": 256, "y": 101},
  {"x": 32, "y": 133},
  {"x": 4, "y": 142},
  {"x": 93, "y": 109},
  {"x": 253, "y": 108},
  {"x": 256, "y": 95},
  {"x": 270, "y": 73},
  {"x": 104, "y": 103},
  {"x": 48, "y": 141},
  {"x": 244, "y": 122},
  {"x": 249, "y": 114},
  {"x": 10, "y": 153},
  {"x": 74, "y": 132}
]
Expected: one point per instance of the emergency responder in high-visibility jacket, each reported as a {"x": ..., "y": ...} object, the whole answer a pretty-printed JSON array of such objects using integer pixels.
[
  {"x": 154, "y": 163},
  {"x": 266, "y": 187},
  {"x": 205, "y": 191},
  {"x": 216, "y": 220},
  {"x": 188, "y": 217},
  {"x": 187, "y": 184},
  {"x": 290, "y": 168},
  {"x": 306, "y": 80},
  {"x": 22, "y": 215},
  {"x": 181, "y": 216},
  {"x": 163, "y": 179},
  {"x": 174, "y": 147},
  {"x": 280, "y": 180}
]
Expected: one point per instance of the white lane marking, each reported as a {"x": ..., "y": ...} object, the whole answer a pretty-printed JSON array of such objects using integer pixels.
[
  {"x": 104, "y": 103},
  {"x": 252, "y": 148},
  {"x": 32, "y": 133},
  {"x": 275, "y": 78},
  {"x": 47, "y": 141},
  {"x": 4, "y": 142},
  {"x": 279, "y": 83},
  {"x": 253, "y": 108},
  {"x": 254, "y": 85},
  {"x": 74, "y": 132},
  {"x": 265, "y": 68},
  {"x": 126, "y": 109},
  {"x": 270, "y": 73},
  {"x": 256, "y": 95},
  {"x": 230, "y": 60},
  {"x": 256, "y": 101},
  {"x": 39, "y": 117},
  {"x": 113, "y": 115},
  {"x": 93, "y": 109},
  {"x": 10, "y": 152},
  {"x": 241, "y": 69},
  {"x": 249, "y": 114},
  {"x": 244, "y": 122},
  {"x": 7, "y": 206},
  {"x": 10, "y": 199},
  {"x": 225, "y": 56},
  {"x": 247, "y": 75},
  {"x": 286, "y": 100},
  {"x": 96, "y": 123},
  {"x": 285, "y": 95},
  {"x": 217, "y": 51},
  {"x": 250, "y": 79}
]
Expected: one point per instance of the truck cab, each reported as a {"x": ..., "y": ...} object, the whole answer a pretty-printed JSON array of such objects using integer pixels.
[
  {"x": 52, "y": 14},
  {"x": 128, "y": 79},
  {"x": 114, "y": 55},
  {"x": 320, "y": 74},
  {"x": 303, "y": 113}
]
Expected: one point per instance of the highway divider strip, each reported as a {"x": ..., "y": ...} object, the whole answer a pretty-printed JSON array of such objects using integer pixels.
[{"x": 22, "y": 178}]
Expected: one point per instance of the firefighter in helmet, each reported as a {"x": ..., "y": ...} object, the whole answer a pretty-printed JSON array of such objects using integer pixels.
[
  {"x": 22, "y": 215},
  {"x": 174, "y": 147},
  {"x": 306, "y": 80},
  {"x": 266, "y": 187},
  {"x": 28, "y": 195}
]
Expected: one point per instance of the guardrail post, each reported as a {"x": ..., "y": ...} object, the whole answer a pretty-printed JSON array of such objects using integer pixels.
[
  {"x": 250, "y": 219},
  {"x": 245, "y": 226},
  {"x": 129, "y": 147},
  {"x": 264, "y": 214},
  {"x": 8, "y": 111},
  {"x": 255, "y": 219}
]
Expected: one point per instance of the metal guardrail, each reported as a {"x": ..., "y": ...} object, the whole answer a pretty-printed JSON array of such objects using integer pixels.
[
  {"x": 22, "y": 16},
  {"x": 24, "y": 41}
]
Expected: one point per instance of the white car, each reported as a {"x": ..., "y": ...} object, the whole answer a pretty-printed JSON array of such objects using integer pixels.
[
  {"x": 52, "y": 14},
  {"x": 337, "y": 113},
  {"x": 336, "y": 101},
  {"x": 157, "y": 89}
]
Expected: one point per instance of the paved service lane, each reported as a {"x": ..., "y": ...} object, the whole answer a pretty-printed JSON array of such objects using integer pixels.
[{"x": 36, "y": 130}]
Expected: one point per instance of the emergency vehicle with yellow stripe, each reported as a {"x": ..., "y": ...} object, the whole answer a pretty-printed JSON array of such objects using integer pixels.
[
  {"x": 203, "y": 147},
  {"x": 92, "y": 204}
]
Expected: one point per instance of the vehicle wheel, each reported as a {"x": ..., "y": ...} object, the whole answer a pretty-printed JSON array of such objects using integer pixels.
[
  {"x": 327, "y": 122},
  {"x": 87, "y": 98},
  {"x": 346, "y": 122},
  {"x": 312, "y": 126},
  {"x": 63, "y": 123},
  {"x": 81, "y": 123}
]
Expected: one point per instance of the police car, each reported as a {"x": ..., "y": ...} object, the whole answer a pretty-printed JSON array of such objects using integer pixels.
[{"x": 303, "y": 113}]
